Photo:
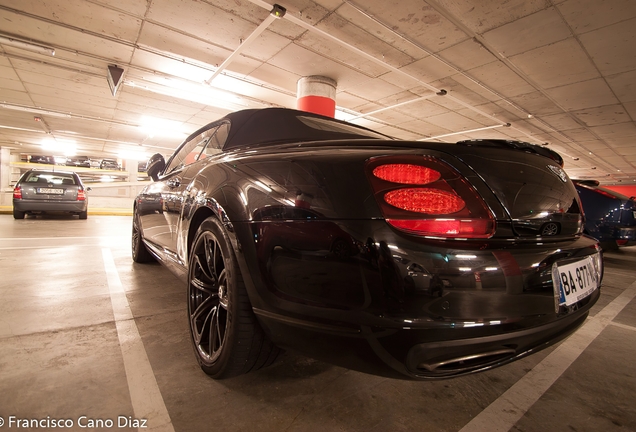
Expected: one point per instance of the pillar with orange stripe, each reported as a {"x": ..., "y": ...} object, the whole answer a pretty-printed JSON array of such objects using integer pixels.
[{"x": 317, "y": 94}]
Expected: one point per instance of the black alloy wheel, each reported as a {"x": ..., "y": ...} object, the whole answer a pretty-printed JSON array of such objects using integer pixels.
[
  {"x": 140, "y": 253},
  {"x": 226, "y": 337},
  {"x": 208, "y": 298}
]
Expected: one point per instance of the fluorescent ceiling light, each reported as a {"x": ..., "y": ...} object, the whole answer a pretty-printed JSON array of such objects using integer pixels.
[
  {"x": 23, "y": 44},
  {"x": 21, "y": 129},
  {"x": 198, "y": 93},
  {"x": 344, "y": 116},
  {"x": 35, "y": 110},
  {"x": 133, "y": 155},
  {"x": 68, "y": 147},
  {"x": 153, "y": 126}
]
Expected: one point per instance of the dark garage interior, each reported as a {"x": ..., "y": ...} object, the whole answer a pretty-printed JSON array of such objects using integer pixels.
[{"x": 524, "y": 110}]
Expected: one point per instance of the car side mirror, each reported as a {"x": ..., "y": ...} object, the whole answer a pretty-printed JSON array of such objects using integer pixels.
[{"x": 156, "y": 165}]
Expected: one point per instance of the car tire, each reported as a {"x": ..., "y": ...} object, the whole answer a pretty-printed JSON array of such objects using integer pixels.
[
  {"x": 140, "y": 253},
  {"x": 84, "y": 214},
  {"x": 226, "y": 336},
  {"x": 18, "y": 214}
]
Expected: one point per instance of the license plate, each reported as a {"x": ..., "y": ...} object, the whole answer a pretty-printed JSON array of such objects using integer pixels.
[
  {"x": 575, "y": 281},
  {"x": 51, "y": 191}
]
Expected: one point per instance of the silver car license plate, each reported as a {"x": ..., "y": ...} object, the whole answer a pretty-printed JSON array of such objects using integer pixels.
[{"x": 51, "y": 191}]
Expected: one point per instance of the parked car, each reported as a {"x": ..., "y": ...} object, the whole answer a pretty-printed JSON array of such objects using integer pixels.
[
  {"x": 610, "y": 217},
  {"x": 42, "y": 159},
  {"x": 109, "y": 164},
  {"x": 141, "y": 166},
  {"x": 43, "y": 191},
  {"x": 79, "y": 161},
  {"x": 418, "y": 260}
]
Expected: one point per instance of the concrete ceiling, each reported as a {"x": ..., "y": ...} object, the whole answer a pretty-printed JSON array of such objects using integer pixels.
[{"x": 560, "y": 72}]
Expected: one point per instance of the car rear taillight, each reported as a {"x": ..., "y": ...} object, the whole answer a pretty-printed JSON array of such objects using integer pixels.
[
  {"x": 17, "y": 192},
  {"x": 424, "y": 196},
  {"x": 81, "y": 195},
  {"x": 406, "y": 173},
  {"x": 425, "y": 200}
]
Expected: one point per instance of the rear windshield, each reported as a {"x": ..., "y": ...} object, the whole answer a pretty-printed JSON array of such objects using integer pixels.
[
  {"x": 279, "y": 126},
  {"x": 327, "y": 125},
  {"x": 52, "y": 178}
]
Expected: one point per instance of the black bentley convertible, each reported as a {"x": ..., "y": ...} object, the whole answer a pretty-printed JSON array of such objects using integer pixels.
[{"x": 407, "y": 259}]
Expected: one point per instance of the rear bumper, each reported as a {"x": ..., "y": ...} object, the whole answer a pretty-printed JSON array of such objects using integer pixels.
[
  {"x": 404, "y": 307},
  {"x": 459, "y": 357},
  {"x": 50, "y": 206},
  {"x": 627, "y": 233},
  {"x": 420, "y": 353}
]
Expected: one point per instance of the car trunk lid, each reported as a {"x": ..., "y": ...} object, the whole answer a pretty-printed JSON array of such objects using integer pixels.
[{"x": 537, "y": 194}]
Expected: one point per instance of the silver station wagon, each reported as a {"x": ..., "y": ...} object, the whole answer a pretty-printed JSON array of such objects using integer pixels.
[{"x": 42, "y": 191}]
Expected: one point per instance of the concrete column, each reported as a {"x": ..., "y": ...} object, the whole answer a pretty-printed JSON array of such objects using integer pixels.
[
  {"x": 317, "y": 94},
  {"x": 131, "y": 168},
  {"x": 5, "y": 167},
  {"x": 6, "y": 195}
]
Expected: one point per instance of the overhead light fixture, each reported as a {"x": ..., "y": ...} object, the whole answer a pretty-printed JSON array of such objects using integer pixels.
[
  {"x": 133, "y": 155},
  {"x": 51, "y": 144},
  {"x": 21, "y": 129},
  {"x": 27, "y": 45},
  {"x": 465, "y": 132},
  {"x": 152, "y": 127},
  {"x": 34, "y": 110},
  {"x": 202, "y": 94}
]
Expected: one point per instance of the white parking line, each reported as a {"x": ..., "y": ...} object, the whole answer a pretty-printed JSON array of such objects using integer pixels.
[
  {"x": 624, "y": 326},
  {"x": 146, "y": 398},
  {"x": 505, "y": 411}
]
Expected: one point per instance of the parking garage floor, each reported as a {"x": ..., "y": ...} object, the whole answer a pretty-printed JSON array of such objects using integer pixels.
[{"x": 96, "y": 342}]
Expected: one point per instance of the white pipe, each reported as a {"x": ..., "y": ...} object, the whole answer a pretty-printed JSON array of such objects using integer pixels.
[
  {"x": 256, "y": 33},
  {"x": 466, "y": 131},
  {"x": 391, "y": 107}
]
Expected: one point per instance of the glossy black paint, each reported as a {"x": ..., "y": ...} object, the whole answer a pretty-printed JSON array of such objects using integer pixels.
[
  {"x": 610, "y": 216},
  {"x": 326, "y": 274}
]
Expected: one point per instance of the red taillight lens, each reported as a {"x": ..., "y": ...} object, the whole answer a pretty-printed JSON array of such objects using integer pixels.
[
  {"x": 469, "y": 228},
  {"x": 417, "y": 210},
  {"x": 81, "y": 195},
  {"x": 406, "y": 174},
  {"x": 17, "y": 192},
  {"x": 425, "y": 200}
]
